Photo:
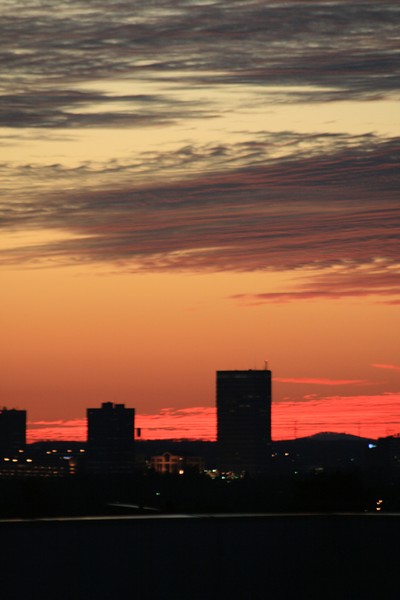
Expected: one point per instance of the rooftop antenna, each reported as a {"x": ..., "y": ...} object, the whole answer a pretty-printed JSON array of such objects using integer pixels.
[{"x": 265, "y": 365}]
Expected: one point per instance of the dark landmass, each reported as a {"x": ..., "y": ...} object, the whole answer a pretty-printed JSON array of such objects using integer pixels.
[
  {"x": 322, "y": 521},
  {"x": 324, "y": 473}
]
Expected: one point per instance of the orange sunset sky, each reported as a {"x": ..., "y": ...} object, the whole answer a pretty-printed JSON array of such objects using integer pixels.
[{"x": 190, "y": 186}]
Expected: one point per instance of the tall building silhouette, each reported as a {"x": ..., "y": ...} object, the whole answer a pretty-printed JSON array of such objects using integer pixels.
[
  {"x": 243, "y": 420},
  {"x": 12, "y": 430},
  {"x": 110, "y": 448}
]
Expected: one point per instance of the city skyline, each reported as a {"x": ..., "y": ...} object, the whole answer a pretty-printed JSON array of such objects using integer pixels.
[
  {"x": 193, "y": 186},
  {"x": 289, "y": 420}
]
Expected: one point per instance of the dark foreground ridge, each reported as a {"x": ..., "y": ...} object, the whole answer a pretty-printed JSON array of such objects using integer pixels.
[{"x": 351, "y": 557}]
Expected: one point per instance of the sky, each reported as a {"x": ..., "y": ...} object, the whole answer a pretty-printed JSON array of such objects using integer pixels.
[{"x": 192, "y": 186}]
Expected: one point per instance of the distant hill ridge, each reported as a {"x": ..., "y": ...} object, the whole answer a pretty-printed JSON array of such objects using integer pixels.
[{"x": 331, "y": 436}]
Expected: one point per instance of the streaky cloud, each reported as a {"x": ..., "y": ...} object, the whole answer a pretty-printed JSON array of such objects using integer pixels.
[
  {"x": 387, "y": 367},
  {"x": 334, "y": 50},
  {"x": 367, "y": 415},
  {"x": 332, "y": 212},
  {"x": 320, "y": 381}
]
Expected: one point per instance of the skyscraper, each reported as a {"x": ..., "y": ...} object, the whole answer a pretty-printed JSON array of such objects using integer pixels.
[
  {"x": 12, "y": 430},
  {"x": 110, "y": 448},
  {"x": 243, "y": 419}
]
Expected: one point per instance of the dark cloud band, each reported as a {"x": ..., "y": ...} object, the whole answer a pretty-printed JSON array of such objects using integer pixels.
[{"x": 333, "y": 51}]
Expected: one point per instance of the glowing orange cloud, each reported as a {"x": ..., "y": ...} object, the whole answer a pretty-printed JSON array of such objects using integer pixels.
[
  {"x": 320, "y": 381},
  {"x": 73, "y": 430},
  {"x": 390, "y": 367},
  {"x": 368, "y": 416}
]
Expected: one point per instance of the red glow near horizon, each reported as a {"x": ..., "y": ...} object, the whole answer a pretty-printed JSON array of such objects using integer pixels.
[{"x": 367, "y": 416}]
